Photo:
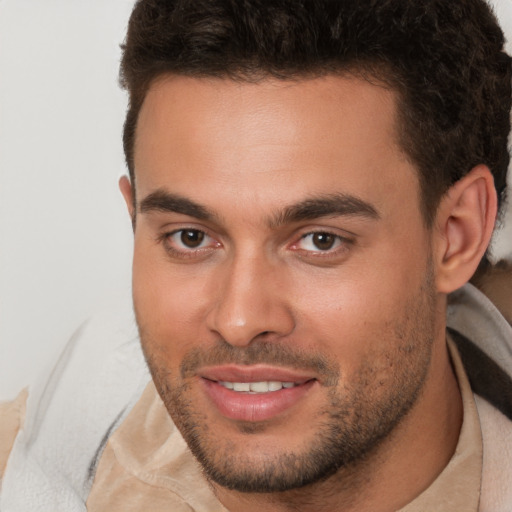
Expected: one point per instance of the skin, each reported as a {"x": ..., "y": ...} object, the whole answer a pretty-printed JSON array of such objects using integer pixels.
[{"x": 364, "y": 317}]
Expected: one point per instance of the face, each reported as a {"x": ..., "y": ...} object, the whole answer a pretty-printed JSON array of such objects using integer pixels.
[{"x": 282, "y": 280}]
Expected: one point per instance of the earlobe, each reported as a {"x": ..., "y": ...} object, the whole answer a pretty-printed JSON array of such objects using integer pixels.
[
  {"x": 126, "y": 189},
  {"x": 465, "y": 222}
]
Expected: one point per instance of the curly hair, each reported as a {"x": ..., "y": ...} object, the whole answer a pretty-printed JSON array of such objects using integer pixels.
[{"x": 444, "y": 58}]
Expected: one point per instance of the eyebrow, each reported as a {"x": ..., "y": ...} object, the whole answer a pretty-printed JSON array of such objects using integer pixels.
[
  {"x": 325, "y": 206},
  {"x": 309, "y": 209},
  {"x": 163, "y": 201}
]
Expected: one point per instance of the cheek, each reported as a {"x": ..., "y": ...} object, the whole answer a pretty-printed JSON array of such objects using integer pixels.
[
  {"x": 364, "y": 317},
  {"x": 168, "y": 305},
  {"x": 352, "y": 304}
]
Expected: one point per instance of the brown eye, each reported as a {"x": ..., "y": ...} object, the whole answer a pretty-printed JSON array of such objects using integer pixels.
[
  {"x": 191, "y": 238},
  {"x": 323, "y": 241},
  {"x": 191, "y": 243}
]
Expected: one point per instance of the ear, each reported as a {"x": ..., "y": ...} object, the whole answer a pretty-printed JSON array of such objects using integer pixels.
[
  {"x": 464, "y": 225},
  {"x": 126, "y": 189}
]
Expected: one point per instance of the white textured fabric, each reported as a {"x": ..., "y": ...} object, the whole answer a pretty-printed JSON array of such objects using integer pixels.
[
  {"x": 97, "y": 380},
  {"x": 472, "y": 314}
]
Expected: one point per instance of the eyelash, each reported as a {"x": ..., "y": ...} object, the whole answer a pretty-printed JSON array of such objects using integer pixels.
[{"x": 341, "y": 244}]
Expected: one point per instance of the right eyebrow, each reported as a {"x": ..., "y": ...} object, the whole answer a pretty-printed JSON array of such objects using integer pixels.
[{"x": 163, "y": 201}]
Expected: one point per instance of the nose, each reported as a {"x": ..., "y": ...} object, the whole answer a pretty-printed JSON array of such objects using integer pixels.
[{"x": 250, "y": 302}]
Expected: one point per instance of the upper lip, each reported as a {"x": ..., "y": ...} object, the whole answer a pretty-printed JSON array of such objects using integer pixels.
[{"x": 254, "y": 373}]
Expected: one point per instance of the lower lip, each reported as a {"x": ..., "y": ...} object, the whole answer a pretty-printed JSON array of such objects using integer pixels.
[{"x": 254, "y": 407}]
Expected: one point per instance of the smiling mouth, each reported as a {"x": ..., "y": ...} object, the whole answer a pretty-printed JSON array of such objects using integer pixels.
[
  {"x": 255, "y": 393},
  {"x": 255, "y": 400}
]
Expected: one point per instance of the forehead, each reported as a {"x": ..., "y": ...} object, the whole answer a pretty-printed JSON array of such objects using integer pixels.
[{"x": 316, "y": 135}]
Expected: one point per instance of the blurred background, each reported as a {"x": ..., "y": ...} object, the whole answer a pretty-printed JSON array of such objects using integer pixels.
[{"x": 65, "y": 237}]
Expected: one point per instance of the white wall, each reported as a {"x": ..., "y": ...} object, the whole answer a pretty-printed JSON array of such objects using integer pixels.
[{"x": 65, "y": 240}]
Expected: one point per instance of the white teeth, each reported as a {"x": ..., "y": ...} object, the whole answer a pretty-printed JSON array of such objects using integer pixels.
[
  {"x": 257, "y": 387},
  {"x": 274, "y": 385},
  {"x": 241, "y": 386}
]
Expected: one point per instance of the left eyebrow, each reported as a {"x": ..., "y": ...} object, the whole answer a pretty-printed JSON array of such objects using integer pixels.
[{"x": 325, "y": 206}]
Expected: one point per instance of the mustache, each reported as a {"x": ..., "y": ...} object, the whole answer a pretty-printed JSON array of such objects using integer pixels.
[{"x": 260, "y": 352}]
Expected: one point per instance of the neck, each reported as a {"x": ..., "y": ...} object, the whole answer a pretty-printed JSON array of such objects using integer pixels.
[{"x": 399, "y": 469}]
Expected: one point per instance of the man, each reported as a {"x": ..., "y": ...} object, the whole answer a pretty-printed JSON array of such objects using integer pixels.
[{"x": 309, "y": 181}]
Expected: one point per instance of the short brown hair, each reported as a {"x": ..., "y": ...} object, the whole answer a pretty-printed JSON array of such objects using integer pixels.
[{"x": 445, "y": 58}]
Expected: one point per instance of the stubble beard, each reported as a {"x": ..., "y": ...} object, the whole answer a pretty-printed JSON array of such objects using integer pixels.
[{"x": 351, "y": 427}]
